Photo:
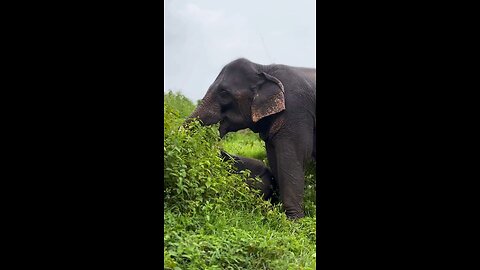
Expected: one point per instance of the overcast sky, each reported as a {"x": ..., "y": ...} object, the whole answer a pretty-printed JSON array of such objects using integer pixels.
[{"x": 201, "y": 36}]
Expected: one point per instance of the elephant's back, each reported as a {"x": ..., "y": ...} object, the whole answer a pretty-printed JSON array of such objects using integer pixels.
[
  {"x": 300, "y": 88},
  {"x": 306, "y": 77},
  {"x": 303, "y": 83},
  {"x": 310, "y": 74},
  {"x": 302, "y": 91}
]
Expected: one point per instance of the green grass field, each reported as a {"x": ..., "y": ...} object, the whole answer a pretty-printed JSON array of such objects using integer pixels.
[
  {"x": 212, "y": 219},
  {"x": 245, "y": 143}
]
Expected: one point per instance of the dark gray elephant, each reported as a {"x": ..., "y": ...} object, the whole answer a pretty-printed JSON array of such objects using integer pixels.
[
  {"x": 276, "y": 101},
  {"x": 267, "y": 186}
]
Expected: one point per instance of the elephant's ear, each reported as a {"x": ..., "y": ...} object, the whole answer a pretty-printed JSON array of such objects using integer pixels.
[{"x": 269, "y": 98}]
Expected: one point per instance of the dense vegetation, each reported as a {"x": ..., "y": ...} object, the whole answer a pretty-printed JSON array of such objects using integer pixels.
[{"x": 212, "y": 219}]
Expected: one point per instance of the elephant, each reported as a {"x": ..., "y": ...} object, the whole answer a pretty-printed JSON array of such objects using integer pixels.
[
  {"x": 279, "y": 103},
  {"x": 267, "y": 186}
]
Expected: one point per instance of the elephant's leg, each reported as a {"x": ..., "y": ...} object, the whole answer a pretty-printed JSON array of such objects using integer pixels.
[
  {"x": 272, "y": 163},
  {"x": 291, "y": 157},
  {"x": 314, "y": 145},
  {"x": 291, "y": 180},
  {"x": 272, "y": 160}
]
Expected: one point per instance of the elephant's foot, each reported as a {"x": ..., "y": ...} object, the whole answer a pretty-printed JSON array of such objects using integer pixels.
[{"x": 295, "y": 215}]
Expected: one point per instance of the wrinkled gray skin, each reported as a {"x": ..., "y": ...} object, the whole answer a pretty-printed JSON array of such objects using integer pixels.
[
  {"x": 276, "y": 101},
  {"x": 257, "y": 169}
]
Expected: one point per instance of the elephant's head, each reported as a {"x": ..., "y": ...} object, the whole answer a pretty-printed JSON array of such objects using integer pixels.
[{"x": 241, "y": 95}]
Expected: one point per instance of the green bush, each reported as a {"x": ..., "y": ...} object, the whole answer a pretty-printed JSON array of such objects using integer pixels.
[
  {"x": 212, "y": 220},
  {"x": 179, "y": 102},
  {"x": 194, "y": 173}
]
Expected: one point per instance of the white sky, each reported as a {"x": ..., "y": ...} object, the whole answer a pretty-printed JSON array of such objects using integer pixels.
[{"x": 201, "y": 36}]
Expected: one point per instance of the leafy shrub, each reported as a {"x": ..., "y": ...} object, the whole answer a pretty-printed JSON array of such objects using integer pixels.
[
  {"x": 179, "y": 103},
  {"x": 212, "y": 220},
  {"x": 194, "y": 173}
]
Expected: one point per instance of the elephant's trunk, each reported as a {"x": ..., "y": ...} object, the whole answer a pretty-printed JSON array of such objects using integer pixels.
[{"x": 208, "y": 111}]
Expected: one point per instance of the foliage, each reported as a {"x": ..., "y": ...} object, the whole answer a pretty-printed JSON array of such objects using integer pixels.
[
  {"x": 194, "y": 173},
  {"x": 212, "y": 219},
  {"x": 183, "y": 106}
]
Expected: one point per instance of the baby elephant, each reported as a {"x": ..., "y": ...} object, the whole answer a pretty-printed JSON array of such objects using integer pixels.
[{"x": 258, "y": 169}]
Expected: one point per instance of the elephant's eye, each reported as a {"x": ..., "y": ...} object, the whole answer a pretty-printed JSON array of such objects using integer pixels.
[
  {"x": 225, "y": 97},
  {"x": 224, "y": 92}
]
